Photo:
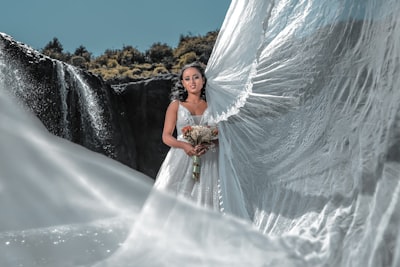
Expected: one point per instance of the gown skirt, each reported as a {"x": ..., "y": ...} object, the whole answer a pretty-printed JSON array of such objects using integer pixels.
[{"x": 175, "y": 173}]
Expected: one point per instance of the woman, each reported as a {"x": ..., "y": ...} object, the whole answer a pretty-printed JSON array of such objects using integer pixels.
[{"x": 175, "y": 174}]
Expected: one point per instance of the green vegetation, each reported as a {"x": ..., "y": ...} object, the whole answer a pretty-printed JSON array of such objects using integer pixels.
[{"x": 130, "y": 63}]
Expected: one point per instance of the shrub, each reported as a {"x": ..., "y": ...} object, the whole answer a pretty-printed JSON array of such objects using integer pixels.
[
  {"x": 130, "y": 62},
  {"x": 78, "y": 61},
  {"x": 128, "y": 73},
  {"x": 186, "y": 59},
  {"x": 136, "y": 71},
  {"x": 130, "y": 55},
  {"x": 160, "y": 70},
  {"x": 108, "y": 74},
  {"x": 122, "y": 69},
  {"x": 145, "y": 66},
  {"x": 112, "y": 63}
]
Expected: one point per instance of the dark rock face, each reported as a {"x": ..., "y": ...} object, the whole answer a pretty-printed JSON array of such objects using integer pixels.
[
  {"x": 142, "y": 107},
  {"x": 122, "y": 121}
]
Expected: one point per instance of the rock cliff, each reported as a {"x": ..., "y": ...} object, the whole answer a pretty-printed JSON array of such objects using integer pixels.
[{"x": 122, "y": 121}]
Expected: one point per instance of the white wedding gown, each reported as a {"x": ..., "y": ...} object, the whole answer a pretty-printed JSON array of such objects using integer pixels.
[{"x": 175, "y": 174}]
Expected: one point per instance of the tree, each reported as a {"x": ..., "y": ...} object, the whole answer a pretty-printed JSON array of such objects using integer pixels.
[
  {"x": 160, "y": 53},
  {"x": 54, "y": 49},
  {"x": 130, "y": 55},
  {"x": 54, "y": 46},
  {"x": 83, "y": 52},
  {"x": 202, "y": 46}
]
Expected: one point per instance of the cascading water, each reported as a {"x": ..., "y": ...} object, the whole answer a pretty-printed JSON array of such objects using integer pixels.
[
  {"x": 93, "y": 112},
  {"x": 65, "y": 124}
]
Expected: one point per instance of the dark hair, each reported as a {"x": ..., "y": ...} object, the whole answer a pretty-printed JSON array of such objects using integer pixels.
[{"x": 179, "y": 92}]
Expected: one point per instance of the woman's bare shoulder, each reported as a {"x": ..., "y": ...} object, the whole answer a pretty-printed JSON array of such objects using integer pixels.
[{"x": 174, "y": 104}]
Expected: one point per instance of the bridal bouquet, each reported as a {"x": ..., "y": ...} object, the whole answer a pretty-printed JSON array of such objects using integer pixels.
[{"x": 196, "y": 135}]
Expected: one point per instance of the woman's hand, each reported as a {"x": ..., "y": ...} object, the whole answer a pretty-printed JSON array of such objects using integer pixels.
[
  {"x": 201, "y": 149},
  {"x": 198, "y": 150},
  {"x": 189, "y": 149}
]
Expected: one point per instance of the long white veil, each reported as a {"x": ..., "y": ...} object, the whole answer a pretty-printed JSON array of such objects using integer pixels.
[
  {"x": 307, "y": 100},
  {"x": 243, "y": 97}
]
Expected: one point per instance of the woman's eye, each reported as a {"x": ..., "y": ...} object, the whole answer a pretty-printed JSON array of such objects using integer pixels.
[{"x": 187, "y": 79}]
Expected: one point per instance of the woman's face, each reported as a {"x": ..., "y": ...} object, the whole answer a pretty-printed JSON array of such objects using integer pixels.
[{"x": 192, "y": 80}]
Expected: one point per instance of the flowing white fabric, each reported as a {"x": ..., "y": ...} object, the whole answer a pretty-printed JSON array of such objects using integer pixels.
[
  {"x": 305, "y": 93},
  {"x": 306, "y": 97},
  {"x": 67, "y": 206}
]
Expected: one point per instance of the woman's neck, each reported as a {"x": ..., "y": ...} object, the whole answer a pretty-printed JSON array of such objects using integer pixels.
[{"x": 193, "y": 100}]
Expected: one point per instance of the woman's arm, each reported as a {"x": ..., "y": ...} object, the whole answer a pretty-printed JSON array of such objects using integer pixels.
[{"x": 171, "y": 116}]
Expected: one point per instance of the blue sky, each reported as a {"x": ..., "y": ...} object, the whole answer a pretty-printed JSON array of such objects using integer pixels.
[{"x": 102, "y": 24}]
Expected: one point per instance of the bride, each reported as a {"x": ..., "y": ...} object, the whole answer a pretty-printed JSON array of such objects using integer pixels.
[{"x": 175, "y": 174}]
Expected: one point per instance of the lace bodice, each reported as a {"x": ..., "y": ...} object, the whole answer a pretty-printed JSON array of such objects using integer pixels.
[{"x": 186, "y": 118}]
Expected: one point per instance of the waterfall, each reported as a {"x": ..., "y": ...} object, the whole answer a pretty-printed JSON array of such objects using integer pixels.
[
  {"x": 89, "y": 105},
  {"x": 60, "y": 95},
  {"x": 65, "y": 125}
]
